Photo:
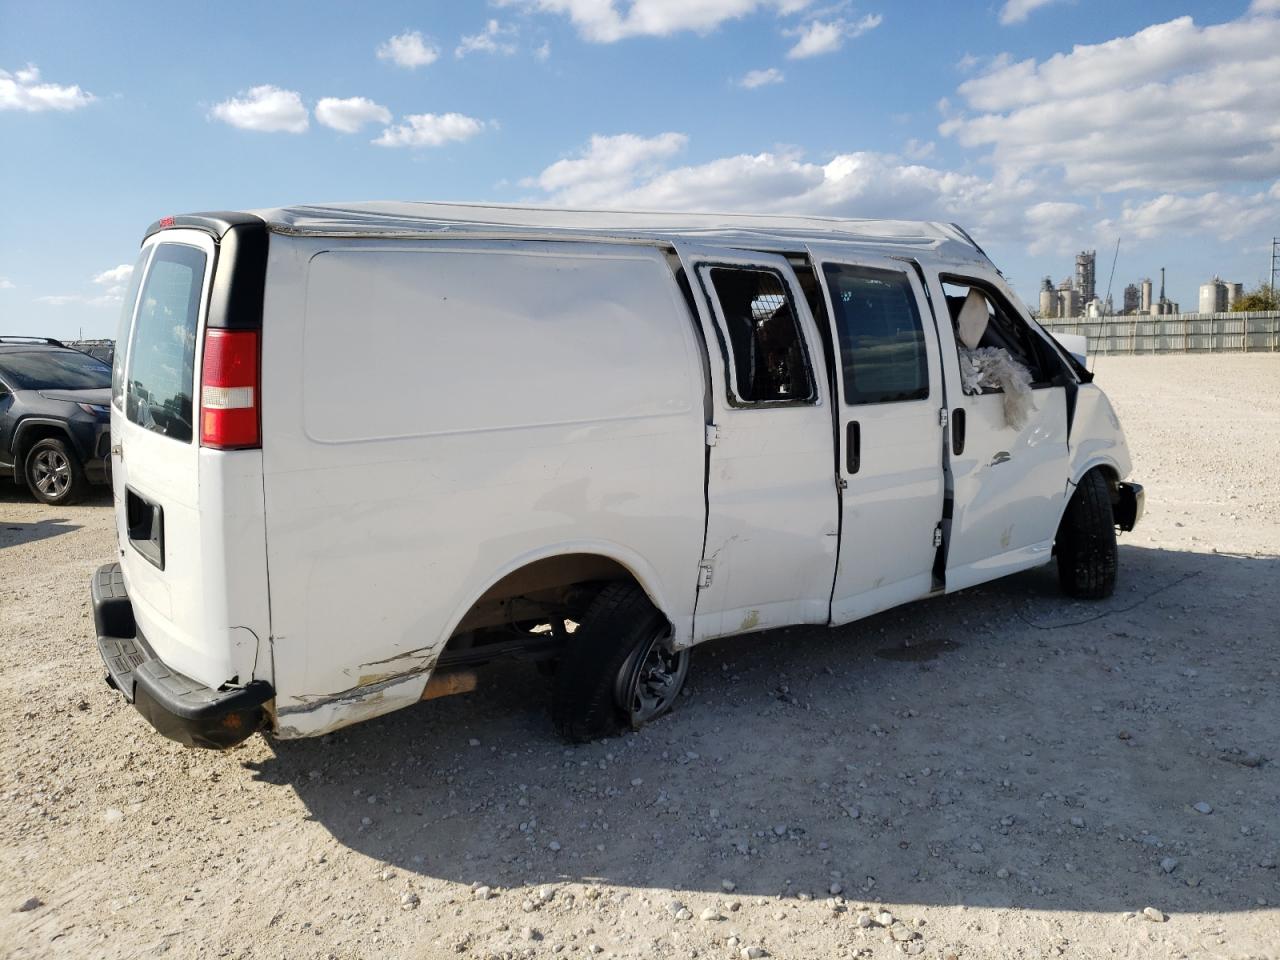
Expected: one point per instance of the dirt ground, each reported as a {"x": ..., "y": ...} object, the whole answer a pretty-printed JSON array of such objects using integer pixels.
[{"x": 1004, "y": 771}]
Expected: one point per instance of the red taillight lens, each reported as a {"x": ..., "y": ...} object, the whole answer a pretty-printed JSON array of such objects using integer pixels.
[{"x": 229, "y": 390}]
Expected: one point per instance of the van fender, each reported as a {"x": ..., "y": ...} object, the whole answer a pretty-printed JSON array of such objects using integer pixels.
[
  {"x": 636, "y": 565},
  {"x": 1107, "y": 464}
]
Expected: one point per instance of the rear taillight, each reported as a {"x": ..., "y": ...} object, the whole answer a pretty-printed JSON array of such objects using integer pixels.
[{"x": 229, "y": 390}]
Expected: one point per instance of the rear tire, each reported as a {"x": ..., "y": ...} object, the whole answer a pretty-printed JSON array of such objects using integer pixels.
[
  {"x": 618, "y": 670},
  {"x": 1086, "y": 542},
  {"x": 53, "y": 472}
]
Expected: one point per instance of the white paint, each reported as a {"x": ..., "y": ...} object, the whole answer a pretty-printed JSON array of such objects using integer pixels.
[
  {"x": 435, "y": 414},
  {"x": 206, "y": 611},
  {"x": 772, "y": 522},
  {"x": 450, "y": 393},
  {"x": 893, "y": 503}
]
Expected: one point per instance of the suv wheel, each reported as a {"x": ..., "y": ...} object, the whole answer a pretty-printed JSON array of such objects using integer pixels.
[
  {"x": 1086, "y": 541},
  {"x": 619, "y": 670},
  {"x": 53, "y": 472}
]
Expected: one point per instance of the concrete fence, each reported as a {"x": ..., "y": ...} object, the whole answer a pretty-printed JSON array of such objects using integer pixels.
[{"x": 1177, "y": 333}]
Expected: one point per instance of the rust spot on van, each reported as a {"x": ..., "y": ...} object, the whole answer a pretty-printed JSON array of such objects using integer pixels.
[
  {"x": 1006, "y": 538},
  {"x": 750, "y": 621}
]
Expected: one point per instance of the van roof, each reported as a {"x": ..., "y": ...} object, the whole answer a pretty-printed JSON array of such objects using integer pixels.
[{"x": 422, "y": 219}]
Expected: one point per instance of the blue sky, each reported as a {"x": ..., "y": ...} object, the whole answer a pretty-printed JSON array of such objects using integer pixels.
[{"x": 1044, "y": 126}]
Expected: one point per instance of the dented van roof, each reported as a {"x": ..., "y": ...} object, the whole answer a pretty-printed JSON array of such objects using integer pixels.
[{"x": 432, "y": 219}]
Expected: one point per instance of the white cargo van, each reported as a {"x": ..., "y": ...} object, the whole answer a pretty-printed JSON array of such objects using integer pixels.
[{"x": 360, "y": 451}]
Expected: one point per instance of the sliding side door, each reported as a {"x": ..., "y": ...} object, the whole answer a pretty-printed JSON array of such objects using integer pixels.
[
  {"x": 889, "y": 389},
  {"x": 771, "y": 537}
]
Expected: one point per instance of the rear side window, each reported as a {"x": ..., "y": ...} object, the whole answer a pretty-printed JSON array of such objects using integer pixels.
[
  {"x": 882, "y": 349},
  {"x": 161, "y": 361},
  {"x": 767, "y": 354}
]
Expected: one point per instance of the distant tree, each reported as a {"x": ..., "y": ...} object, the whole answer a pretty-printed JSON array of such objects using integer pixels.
[{"x": 1261, "y": 298}]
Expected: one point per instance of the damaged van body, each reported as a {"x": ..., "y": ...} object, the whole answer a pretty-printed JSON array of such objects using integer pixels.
[{"x": 590, "y": 440}]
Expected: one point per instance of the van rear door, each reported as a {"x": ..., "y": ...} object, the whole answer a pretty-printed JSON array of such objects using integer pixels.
[{"x": 178, "y": 505}]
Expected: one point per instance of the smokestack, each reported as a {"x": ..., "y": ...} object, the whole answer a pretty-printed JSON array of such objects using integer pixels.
[{"x": 1162, "y": 284}]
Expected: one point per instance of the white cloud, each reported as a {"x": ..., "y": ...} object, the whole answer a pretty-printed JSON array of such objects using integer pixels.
[
  {"x": 609, "y": 165},
  {"x": 633, "y": 172},
  {"x": 827, "y": 36},
  {"x": 1265, "y": 6},
  {"x": 915, "y": 149},
  {"x": 409, "y": 50},
  {"x": 6, "y": 283},
  {"x": 1224, "y": 215},
  {"x": 1174, "y": 106},
  {"x": 1017, "y": 11},
  {"x": 1055, "y": 226},
  {"x": 600, "y": 21},
  {"x": 350, "y": 114},
  {"x": 543, "y": 52},
  {"x": 115, "y": 281},
  {"x": 22, "y": 90},
  {"x": 430, "y": 130},
  {"x": 264, "y": 108},
  {"x": 761, "y": 78},
  {"x": 494, "y": 38}
]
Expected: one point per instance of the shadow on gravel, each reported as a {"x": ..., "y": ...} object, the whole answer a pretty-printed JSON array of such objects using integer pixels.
[
  {"x": 1048, "y": 755},
  {"x": 13, "y": 534},
  {"x": 11, "y": 492}
]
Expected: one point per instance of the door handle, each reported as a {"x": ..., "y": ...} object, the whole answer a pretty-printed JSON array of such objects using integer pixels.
[
  {"x": 957, "y": 432},
  {"x": 853, "y": 446}
]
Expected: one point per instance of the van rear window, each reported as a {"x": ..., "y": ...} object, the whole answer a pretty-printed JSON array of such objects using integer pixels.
[
  {"x": 161, "y": 361},
  {"x": 124, "y": 328}
]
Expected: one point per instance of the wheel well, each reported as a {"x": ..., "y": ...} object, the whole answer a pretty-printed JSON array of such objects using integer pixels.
[
  {"x": 543, "y": 589},
  {"x": 28, "y": 438}
]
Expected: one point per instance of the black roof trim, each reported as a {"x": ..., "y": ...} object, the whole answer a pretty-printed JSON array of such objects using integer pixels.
[{"x": 216, "y": 223}]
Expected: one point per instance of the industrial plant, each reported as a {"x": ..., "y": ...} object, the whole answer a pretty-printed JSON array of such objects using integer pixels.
[{"x": 1077, "y": 296}]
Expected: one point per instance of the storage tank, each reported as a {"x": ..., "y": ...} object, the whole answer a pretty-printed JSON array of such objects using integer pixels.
[
  {"x": 1235, "y": 291},
  {"x": 1213, "y": 297},
  {"x": 1070, "y": 302},
  {"x": 1048, "y": 299},
  {"x": 1146, "y": 295}
]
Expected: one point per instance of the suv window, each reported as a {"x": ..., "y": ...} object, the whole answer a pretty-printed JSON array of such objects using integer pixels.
[
  {"x": 54, "y": 370},
  {"x": 161, "y": 360},
  {"x": 768, "y": 360},
  {"x": 882, "y": 349}
]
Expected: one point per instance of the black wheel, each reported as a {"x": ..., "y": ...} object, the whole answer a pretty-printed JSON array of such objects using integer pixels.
[
  {"x": 53, "y": 472},
  {"x": 618, "y": 670},
  {"x": 1086, "y": 542}
]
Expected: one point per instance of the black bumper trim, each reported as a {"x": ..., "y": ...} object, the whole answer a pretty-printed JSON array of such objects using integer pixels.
[
  {"x": 1130, "y": 506},
  {"x": 178, "y": 707}
]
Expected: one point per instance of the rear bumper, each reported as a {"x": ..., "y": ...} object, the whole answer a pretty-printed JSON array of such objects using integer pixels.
[
  {"x": 178, "y": 707},
  {"x": 1129, "y": 508}
]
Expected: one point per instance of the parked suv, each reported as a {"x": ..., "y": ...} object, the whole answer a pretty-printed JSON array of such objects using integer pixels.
[
  {"x": 361, "y": 451},
  {"x": 55, "y": 418}
]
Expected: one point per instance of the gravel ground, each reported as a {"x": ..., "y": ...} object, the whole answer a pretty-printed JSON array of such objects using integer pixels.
[{"x": 1000, "y": 773}]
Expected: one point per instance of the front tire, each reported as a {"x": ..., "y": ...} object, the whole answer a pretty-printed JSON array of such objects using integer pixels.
[
  {"x": 619, "y": 670},
  {"x": 53, "y": 472},
  {"x": 1086, "y": 542}
]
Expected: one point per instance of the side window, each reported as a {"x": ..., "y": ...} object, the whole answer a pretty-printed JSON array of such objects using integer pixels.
[
  {"x": 882, "y": 348},
  {"x": 1005, "y": 329},
  {"x": 161, "y": 362},
  {"x": 768, "y": 359}
]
